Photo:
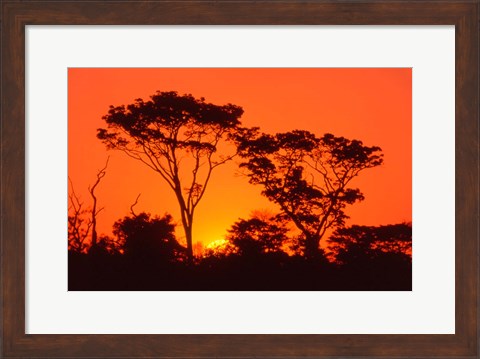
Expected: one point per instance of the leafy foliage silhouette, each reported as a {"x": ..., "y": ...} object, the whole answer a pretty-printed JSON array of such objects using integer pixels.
[
  {"x": 258, "y": 235},
  {"x": 308, "y": 177},
  {"x": 367, "y": 243},
  {"x": 148, "y": 257},
  {"x": 146, "y": 238},
  {"x": 177, "y": 136}
]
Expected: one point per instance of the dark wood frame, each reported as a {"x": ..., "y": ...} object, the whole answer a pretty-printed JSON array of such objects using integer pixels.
[{"x": 16, "y": 14}]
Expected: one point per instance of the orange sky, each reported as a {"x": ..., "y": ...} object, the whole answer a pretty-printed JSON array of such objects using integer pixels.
[{"x": 372, "y": 105}]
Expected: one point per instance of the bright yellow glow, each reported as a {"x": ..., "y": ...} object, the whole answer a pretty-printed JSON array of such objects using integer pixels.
[{"x": 217, "y": 244}]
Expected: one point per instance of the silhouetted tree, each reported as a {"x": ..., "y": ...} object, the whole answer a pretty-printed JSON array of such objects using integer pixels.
[
  {"x": 258, "y": 235},
  {"x": 79, "y": 223},
  {"x": 95, "y": 211},
  {"x": 363, "y": 243},
  {"x": 144, "y": 237},
  {"x": 177, "y": 137},
  {"x": 82, "y": 222},
  {"x": 308, "y": 177}
]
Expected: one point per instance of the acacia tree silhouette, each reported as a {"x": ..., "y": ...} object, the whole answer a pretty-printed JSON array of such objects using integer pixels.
[
  {"x": 177, "y": 137},
  {"x": 308, "y": 177}
]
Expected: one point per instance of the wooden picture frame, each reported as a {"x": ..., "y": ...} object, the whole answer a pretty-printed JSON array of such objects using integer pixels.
[{"x": 464, "y": 14}]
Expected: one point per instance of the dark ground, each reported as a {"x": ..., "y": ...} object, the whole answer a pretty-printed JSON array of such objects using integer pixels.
[{"x": 268, "y": 272}]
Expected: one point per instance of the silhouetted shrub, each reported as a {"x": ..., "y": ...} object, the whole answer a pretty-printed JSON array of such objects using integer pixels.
[{"x": 149, "y": 238}]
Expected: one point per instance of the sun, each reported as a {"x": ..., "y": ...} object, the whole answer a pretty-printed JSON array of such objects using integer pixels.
[
  {"x": 217, "y": 244},
  {"x": 219, "y": 247}
]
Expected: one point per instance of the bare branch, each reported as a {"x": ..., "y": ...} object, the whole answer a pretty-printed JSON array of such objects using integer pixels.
[
  {"x": 100, "y": 174},
  {"x": 133, "y": 205}
]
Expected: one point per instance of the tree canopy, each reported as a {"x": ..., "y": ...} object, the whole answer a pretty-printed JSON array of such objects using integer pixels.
[
  {"x": 365, "y": 243},
  {"x": 144, "y": 237},
  {"x": 258, "y": 235}
]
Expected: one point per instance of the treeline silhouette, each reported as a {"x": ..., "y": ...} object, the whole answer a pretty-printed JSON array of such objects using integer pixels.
[
  {"x": 308, "y": 178},
  {"x": 257, "y": 254}
]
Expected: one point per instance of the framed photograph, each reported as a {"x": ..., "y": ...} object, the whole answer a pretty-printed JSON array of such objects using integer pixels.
[
  {"x": 240, "y": 179},
  {"x": 229, "y": 236}
]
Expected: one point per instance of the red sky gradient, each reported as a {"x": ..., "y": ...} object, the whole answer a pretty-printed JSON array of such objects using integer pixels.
[{"x": 372, "y": 105}]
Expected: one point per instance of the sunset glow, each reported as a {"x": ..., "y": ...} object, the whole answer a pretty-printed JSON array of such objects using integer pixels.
[
  {"x": 216, "y": 244},
  {"x": 371, "y": 105}
]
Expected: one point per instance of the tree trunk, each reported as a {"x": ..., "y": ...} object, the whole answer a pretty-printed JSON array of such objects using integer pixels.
[
  {"x": 94, "y": 236},
  {"x": 187, "y": 222},
  {"x": 312, "y": 250},
  {"x": 94, "y": 223},
  {"x": 188, "y": 236}
]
